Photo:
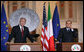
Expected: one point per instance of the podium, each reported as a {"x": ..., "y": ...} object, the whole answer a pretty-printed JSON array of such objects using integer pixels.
[
  {"x": 17, "y": 46},
  {"x": 67, "y": 46}
]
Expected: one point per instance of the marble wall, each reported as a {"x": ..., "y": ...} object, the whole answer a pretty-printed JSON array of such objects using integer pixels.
[
  {"x": 37, "y": 6},
  {"x": 77, "y": 22}
]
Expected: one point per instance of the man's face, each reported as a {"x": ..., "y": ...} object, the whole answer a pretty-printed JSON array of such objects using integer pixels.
[
  {"x": 22, "y": 22},
  {"x": 68, "y": 24}
]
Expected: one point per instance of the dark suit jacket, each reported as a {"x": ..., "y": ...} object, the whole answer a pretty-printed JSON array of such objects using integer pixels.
[
  {"x": 16, "y": 33},
  {"x": 67, "y": 36}
]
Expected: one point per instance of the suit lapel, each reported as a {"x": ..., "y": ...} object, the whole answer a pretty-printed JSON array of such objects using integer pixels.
[
  {"x": 19, "y": 28},
  {"x": 20, "y": 34},
  {"x": 24, "y": 31},
  {"x": 65, "y": 29}
]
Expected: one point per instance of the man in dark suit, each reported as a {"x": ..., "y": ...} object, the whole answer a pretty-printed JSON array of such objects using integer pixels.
[
  {"x": 67, "y": 34},
  {"x": 20, "y": 32}
]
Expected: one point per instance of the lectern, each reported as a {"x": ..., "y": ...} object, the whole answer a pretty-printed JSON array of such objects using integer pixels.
[
  {"x": 67, "y": 46},
  {"x": 17, "y": 46}
]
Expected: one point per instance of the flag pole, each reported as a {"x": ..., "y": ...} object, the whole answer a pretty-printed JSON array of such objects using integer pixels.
[
  {"x": 48, "y": 3},
  {"x": 55, "y": 3},
  {"x": 2, "y": 2},
  {"x": 44, "y": 3}
]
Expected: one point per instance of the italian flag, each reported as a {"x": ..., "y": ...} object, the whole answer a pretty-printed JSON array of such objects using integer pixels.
[{"x": 50, "y": 31}]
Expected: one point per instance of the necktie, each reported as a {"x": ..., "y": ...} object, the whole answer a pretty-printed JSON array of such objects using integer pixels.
[
  {"x": 22, "y": 32},
  {"x": 68, "y": 29}
]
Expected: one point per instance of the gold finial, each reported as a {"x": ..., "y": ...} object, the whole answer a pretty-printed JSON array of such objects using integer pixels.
[
  {"x": 3, "y": 2},
  {"x": 44, "y": 3},
  {"x": 56, "y": 3}
]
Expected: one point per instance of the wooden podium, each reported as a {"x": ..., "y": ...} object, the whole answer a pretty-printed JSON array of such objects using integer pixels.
[
  {"x": 16, "y": 46},
  {"x": 67, "y": 46}
]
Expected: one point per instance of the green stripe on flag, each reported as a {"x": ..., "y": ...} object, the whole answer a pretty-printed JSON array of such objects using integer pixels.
[{"x": 49, "y": 13}]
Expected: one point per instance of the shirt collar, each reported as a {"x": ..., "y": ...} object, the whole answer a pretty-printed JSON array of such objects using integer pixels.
[
  {"x": 21, "y": 26},
  {"x": 67, "y": 28}
]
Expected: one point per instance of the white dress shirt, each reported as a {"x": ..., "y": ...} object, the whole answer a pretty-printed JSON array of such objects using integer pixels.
[
  {"x": 69, "y": 29},
  {"x": 21, "y": 28}
]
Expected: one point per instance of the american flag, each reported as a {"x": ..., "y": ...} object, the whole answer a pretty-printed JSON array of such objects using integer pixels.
[{"x": 44, "y": 38}]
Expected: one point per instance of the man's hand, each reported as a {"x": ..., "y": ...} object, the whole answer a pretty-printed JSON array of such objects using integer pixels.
[
  {"x": 57, "y": 42},
  {"x": 72, "y": 28},
  {"x": 34, "y": 42},
  {"x": 7, "y": 42}
]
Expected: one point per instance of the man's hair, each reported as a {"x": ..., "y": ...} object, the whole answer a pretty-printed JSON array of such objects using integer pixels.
[
  {"x": 22, "y": 18},
  {"x": 69, "y": 21}
]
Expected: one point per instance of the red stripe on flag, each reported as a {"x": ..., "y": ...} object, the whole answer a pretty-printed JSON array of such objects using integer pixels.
[
  {"x": 46, "y": 46},
  {"x": 51, "y": 44},
  {"x": 44, "y": 38}
]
